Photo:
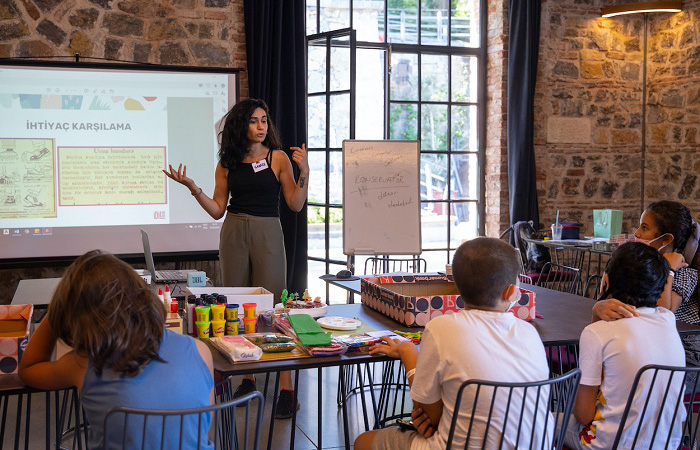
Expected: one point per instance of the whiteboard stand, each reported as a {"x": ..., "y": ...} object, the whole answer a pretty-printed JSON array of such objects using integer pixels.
[{"x": 381, "y": 197}]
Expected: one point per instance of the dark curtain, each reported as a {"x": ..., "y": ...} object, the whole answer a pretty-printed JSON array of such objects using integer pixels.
[
  {"x": 275, "y": 43},
  {"x": 523, "y": 43}
]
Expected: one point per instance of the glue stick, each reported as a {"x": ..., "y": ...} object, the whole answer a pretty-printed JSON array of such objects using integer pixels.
[{"x": 160, "y": 295}]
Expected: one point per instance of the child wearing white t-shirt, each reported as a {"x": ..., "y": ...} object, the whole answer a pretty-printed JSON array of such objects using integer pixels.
[
  {"x": 484, "y": 341},
  {"x": 611, "y": 354}
]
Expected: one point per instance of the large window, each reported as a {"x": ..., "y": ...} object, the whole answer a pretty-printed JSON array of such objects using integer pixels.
[{"x": 417, "y": 72}]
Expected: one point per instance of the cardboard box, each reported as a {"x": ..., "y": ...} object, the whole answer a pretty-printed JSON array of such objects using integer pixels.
[
  {"x": 411, "y": 299},
  {"x": 15, "y": 321},
  {"x": 173, "y": 322},
  {"x": 261, "y": 296},
  {"x": 525, "y": 308},
  {"x": 415, "y": 299}
]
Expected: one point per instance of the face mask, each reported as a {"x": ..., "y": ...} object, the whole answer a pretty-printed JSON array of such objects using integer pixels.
[
  {"x": 513, "y": 303},
  {"x": 648, "y": 242}
]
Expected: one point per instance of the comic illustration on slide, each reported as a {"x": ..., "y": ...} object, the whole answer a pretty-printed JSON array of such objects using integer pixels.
[
  {"x": 27, "y": 178},
  {"x": 90, "y": 176}
]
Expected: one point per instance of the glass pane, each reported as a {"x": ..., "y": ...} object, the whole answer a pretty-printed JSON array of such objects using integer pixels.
[
  {"x": 464, "y": 134},
  {"x": 465, "y": 177},
  {"x": 317, "y": 121},
  {"x": 340, "y": 64},
  {"x": 433, "y": 127},
  {"x": 336, "y": 176},
  {"x": 435, "y": 260},
  {"x": 337, "y": 295},
  {"x": 433, "y": 179},
  {"x": 403, "y": 121},
  {"x": 317, "y": 66},
  {"x": 311, "y": 14},
  {"x": 434, "y": 79},
  {"x": 335, "y": 246},
  {"x": 368, "y": 20},
  {"x": 402, "y": 21},
  {"x": 465, "y": 23},
  {"x": 316, "y": 233},
  {"x": 339, "y": 120},
  {"x": 369, "y": 120},
  {"x": 434, "y": 225},
  {"x": 434, "y": 22},
  {"x": 317, "y": 287},
  {"x": 464, "y": 223},
  {"x": 317, "y": 186},
  {"x": 464, "y": 78},
  {"x": 335, "y": 15},
  {"x": 404, "y": 76}
]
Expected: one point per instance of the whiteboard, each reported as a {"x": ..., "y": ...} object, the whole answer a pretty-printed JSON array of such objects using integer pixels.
[{"x": 381, "y": 198}]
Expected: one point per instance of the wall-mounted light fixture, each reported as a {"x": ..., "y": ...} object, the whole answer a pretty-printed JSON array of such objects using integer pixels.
[{"x": 668, "y": 6}]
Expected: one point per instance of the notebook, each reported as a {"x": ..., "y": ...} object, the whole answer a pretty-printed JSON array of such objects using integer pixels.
[{"x": 161, "y": 276}]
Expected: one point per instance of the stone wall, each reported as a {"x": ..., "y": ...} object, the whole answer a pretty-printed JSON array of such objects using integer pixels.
[
  {"x": 173, "y": 32},
  {"x": 496, "y": 195},
  {"x": 588, "y": 110}
]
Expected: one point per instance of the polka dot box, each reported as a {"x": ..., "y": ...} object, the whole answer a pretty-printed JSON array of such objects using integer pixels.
[
  {"x": 415, "y": 299},
  {"x": 14, "y": 335}
]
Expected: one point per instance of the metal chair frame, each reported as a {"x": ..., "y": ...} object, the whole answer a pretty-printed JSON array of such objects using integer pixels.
[
  {"x": 385, "y": 264},
  {"x": 689, "y": 436},
  {"x": 560, "y": 400},
  {"x": 560, "y": 278},
  {"x": 224, "y": 420}
]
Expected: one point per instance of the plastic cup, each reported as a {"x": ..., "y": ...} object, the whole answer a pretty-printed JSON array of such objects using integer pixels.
[
  {"x": 232, "y": 326},
  {"x": 217, "y": 312},
  {"x": 249, "y": 310},
  {"x": 202, "y": 313},
  {"x": 218, "y": 327},
  {"x": 232, "y": 311},
  {"x": 556, "y": 232},
  {"x": 203, "y": 329},
  {"x": 249, "y": 324}
]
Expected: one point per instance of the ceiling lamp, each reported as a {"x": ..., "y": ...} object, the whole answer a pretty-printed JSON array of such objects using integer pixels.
[{"x": 671, "y": 6}]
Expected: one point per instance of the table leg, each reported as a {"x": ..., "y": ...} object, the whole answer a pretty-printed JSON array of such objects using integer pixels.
[
  {"x": 272, "y": 414},
  {"x": 294, "y": 413},
  {"x": 320, "y": 407},
  {"x": 362, "y": 396},
  {"x": 346, "y": 425},
  {"x": 371, "y": 390}
]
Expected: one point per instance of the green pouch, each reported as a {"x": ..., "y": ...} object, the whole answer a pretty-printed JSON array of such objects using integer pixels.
[{"x": 309, "y": 332}]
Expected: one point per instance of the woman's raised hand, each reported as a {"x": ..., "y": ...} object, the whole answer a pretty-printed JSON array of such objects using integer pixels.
[
  {"x": 180, "y": 176},
  {"x": 301, "y": 158}
]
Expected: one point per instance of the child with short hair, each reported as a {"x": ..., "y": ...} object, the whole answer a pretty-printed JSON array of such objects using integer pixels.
[
  {"x": 122, "y": 354},
  {"x": 484, "y": 341},
  {"x": 611, "y": 354}
]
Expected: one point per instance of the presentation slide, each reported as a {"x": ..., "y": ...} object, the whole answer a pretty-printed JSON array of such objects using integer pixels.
[{"x": 82, "y": 152}]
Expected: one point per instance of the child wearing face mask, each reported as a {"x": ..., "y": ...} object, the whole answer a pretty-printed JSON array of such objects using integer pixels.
[
  {"x": 610, "y": 357},
  {"x": 484, "y": 341},
  {"x": 669, "y": 227}
]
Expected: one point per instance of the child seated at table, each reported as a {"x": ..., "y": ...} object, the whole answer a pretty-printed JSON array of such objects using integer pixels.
[
  {"x": 484, "y": 341},
  {"x": 122, "y": 354},
  {"x": 611, "y": 354}
]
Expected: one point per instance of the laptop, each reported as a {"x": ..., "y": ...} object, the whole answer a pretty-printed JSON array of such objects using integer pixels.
[{"x": 161, "y": 276}]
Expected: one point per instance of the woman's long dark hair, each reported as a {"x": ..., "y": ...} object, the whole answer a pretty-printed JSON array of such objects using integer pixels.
[
  {"x": 234, "y": 140},
  {"x": 637, "y": 274}
]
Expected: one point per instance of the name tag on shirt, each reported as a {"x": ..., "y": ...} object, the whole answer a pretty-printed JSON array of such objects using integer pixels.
[{"x": 259, "y": 165}]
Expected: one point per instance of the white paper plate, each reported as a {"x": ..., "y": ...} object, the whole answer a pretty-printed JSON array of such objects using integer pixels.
[
  {"x": 313, "y": 312},
  {"x": 339, "y": 323}
]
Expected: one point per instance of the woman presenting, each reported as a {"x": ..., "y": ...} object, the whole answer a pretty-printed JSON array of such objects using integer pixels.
[{"x": 249, "y": 176}]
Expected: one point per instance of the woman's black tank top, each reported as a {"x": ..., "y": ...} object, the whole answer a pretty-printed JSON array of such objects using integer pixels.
[{"x": 254, "y": 193}]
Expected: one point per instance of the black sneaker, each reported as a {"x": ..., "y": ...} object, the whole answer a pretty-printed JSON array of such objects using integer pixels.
[
  {"x": 246, "y": 387},
  {"x": 285, "y": 405}
]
